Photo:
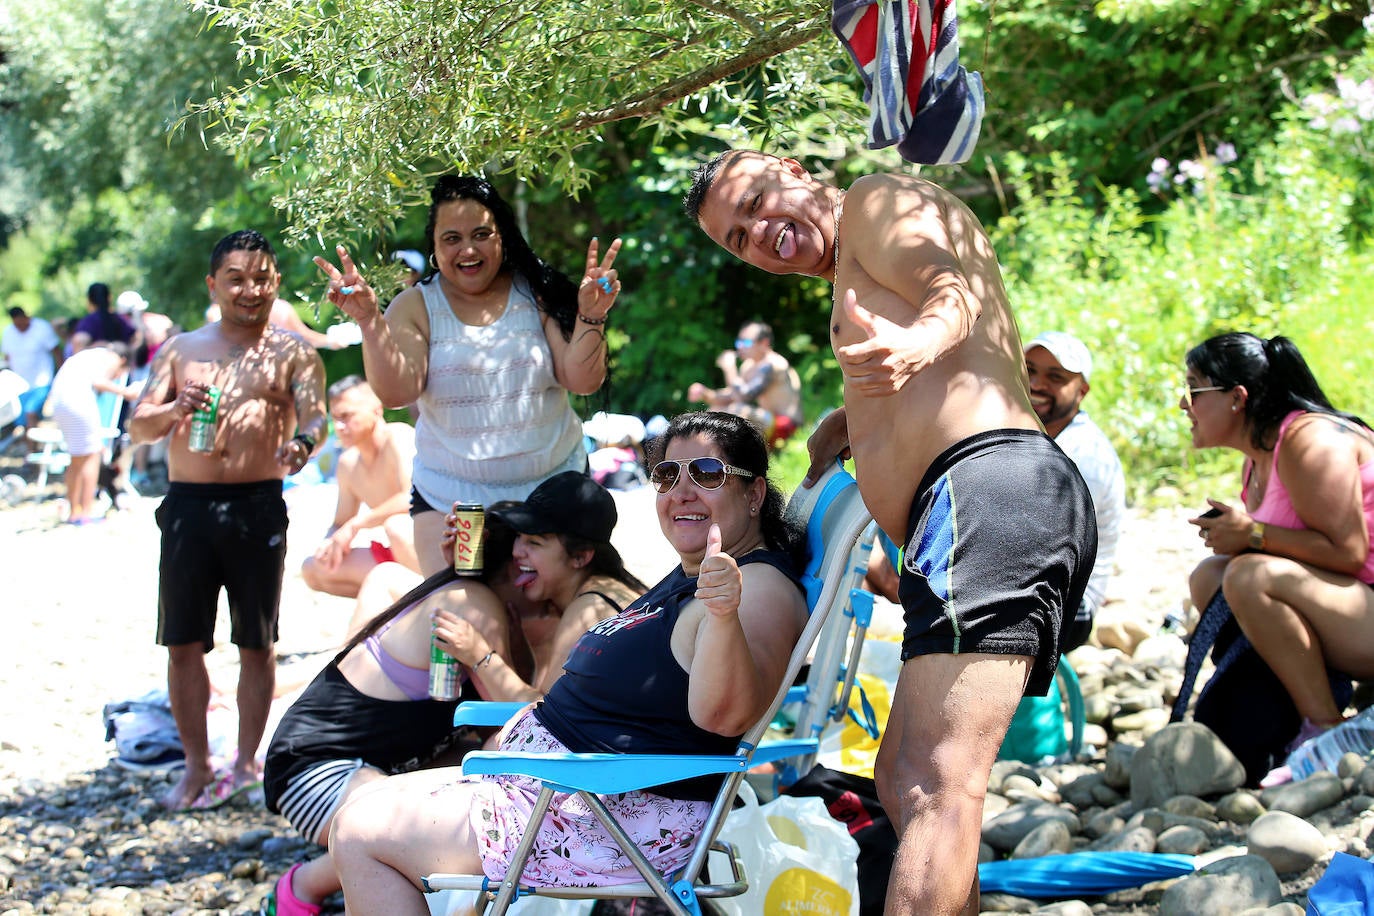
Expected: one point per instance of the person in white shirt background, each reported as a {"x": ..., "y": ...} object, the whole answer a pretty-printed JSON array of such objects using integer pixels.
[
  {"x": 33, "y": 350},
  {"x": 1059, "y": 366}
]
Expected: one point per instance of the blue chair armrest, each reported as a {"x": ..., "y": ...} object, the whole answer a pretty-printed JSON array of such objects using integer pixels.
[
  {"x": 781, "y": 750},
  {"x": 600, "y": 774},
  {"x": 477, "y": 712}
]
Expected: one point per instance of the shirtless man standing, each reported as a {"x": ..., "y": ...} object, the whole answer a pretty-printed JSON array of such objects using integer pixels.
[
  {"x": 223, "y": 520},
  {"x": 374, "y": 492},
  {"x": 762, "y": 387},
  {"x": 938, "y": 419}
]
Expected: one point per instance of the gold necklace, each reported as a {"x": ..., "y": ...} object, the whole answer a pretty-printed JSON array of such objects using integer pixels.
[{"x": 837, "y": 212}]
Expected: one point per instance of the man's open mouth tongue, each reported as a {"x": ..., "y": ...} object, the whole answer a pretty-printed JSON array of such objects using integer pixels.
[
  {"x": 525, "y": 578},
  {"x": 787, "y": 242}
]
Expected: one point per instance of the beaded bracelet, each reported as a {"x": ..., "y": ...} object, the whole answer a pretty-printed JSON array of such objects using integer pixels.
[{"x": 592, "y": 321}]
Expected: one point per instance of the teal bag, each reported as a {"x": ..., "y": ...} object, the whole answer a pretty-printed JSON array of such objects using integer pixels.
[{"x": 1036, "y": 732}]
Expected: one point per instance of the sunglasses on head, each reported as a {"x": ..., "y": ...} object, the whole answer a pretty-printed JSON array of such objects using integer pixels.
[{"x": 707, "y": 473}]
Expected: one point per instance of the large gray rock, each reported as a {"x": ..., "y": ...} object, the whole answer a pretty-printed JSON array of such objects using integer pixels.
[
  {"x": 1118, "y": 770},
  {"x": 1184, "y": 758},
  {"x": 1131, "y": 839},
  {"x": 1049, "y": 839},
  {"x": 1307, "y": 797},
  {"x": 1225, "y": 888},
  {"x": 1010, "y": 827},
  {"x": 1190, "y": 806},
  {"x": 1239, "y": 808},
  {"x": 1079, "y": 792},
  {"x": 1364, "y": 782},
  {"x": 1103, "y": 823},
  {"x": 1182, "y": 840},
  {"x": 1285, "y": 841}
]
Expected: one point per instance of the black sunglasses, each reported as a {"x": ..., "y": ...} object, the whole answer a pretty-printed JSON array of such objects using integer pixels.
[{"x": 707, "y": 473}]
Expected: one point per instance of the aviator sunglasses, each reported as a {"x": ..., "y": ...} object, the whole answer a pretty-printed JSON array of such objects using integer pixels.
[{"x": 707, "y": 473}]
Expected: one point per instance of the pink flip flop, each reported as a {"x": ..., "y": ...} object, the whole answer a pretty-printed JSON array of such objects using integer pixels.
[
  {"x": 216, "y": 793},
  {"x": 284, "y": 902}
]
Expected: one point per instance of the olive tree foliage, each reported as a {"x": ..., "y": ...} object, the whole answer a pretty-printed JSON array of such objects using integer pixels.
[
  {"x": 1108, "y": 86},
  {"x": 97, "y": 184},
  {"x": 360, "y": 103},
  {"x": 89, "y": 90}
]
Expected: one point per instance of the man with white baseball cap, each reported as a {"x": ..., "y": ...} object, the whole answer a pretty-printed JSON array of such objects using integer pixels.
[{"x": 1059, "y": 366}]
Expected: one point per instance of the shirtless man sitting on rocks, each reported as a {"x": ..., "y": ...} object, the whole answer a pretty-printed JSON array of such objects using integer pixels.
[
  {"x": 938, "y": 419},
  {"x": 223, "y": 520},
  {"x": 373, "y": 478},
  {"x": 760, "y": 385}
]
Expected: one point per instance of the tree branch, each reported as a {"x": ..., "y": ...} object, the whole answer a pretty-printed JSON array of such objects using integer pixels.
[
  {"x": 749, "y": 22},
  {"x": 655, "y": 100}
]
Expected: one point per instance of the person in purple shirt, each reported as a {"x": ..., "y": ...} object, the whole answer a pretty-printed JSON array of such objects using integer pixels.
[{"x": 100, "y": 325}]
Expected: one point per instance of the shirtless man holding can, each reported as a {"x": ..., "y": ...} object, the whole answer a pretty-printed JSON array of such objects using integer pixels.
[
  {"x": 223, "y": 520},
  {"x": 938, "y": 419}
]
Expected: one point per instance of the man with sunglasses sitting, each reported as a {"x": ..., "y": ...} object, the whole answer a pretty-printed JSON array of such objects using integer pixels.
[
  {"x": 952, "y": 462},
  {"x": 760, "y": 385}
]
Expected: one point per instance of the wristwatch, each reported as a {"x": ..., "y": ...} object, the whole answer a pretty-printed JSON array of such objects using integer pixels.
[{"x": 1257, "y": 535}]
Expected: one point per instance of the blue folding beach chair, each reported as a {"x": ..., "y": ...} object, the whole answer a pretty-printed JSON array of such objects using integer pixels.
[{"x": 838, "y": 531}]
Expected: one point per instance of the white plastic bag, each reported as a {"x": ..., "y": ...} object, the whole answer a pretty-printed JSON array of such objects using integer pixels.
[{"x": 797, "y": 859}]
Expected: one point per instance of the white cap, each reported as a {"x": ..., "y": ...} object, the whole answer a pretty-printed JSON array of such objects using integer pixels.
[
  {"x": 414, "y": 260},
  {"x": 130, "y": 302},
  {"x": 1069, "y": 350}
]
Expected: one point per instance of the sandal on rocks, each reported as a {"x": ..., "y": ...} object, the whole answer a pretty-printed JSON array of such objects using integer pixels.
[
  {"x": 283, "y": 901},
  {"x": 218, "y": 791}
]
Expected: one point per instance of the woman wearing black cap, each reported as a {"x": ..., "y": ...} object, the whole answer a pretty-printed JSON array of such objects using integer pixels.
[
  {"x": 368, "y": 714},
  {"x": 564, "y": 565}
]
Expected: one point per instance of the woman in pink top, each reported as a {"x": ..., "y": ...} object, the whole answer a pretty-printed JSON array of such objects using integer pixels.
[{"x": 1293, "y": 559}]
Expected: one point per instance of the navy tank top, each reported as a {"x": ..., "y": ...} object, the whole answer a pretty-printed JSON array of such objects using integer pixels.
[{"x": 623, "y": 692}]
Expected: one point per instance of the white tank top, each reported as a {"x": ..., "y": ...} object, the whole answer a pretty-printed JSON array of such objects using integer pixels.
[{"x": 494, "y": 422}]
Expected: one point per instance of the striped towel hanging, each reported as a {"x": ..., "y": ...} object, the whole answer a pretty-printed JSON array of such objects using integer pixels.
[{"x": 918, "y": 95}]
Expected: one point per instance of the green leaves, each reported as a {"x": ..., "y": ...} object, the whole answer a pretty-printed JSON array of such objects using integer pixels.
[{"x": 362, "y": 103}]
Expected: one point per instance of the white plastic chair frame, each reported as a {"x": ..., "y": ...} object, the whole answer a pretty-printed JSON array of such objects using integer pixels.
[
  {"x": 836, "y": 521},
  {"x": 52, "y": 457}
]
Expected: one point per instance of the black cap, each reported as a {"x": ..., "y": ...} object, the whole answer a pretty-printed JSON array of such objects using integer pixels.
[{"x": 566, "y": 503}]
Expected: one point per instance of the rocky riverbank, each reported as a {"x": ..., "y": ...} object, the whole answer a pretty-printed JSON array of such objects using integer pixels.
[{"x": 80, "y": 835}]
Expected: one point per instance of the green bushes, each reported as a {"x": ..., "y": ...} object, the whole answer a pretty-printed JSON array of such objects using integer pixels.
[{"x": 1274, "y": 241}]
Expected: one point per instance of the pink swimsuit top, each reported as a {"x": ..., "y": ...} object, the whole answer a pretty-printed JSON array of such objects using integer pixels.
[{"x": 1276, "y": 508}]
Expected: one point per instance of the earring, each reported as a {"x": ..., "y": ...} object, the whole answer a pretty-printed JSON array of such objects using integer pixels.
[
  {"x": 1233, "y": 408},
  {"x": 433, "y": 263}
]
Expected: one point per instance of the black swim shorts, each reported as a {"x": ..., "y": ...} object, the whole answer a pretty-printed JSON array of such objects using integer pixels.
[
  {"x": 230, "y": 536},
  {"x": 1000, "y": 543}
]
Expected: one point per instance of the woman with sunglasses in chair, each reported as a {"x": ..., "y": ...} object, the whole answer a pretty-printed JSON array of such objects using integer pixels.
[
  {"x": 687, "y": 669},
  {"x": 1293, "y": 559},
  {"x": 369, "y": 713}
]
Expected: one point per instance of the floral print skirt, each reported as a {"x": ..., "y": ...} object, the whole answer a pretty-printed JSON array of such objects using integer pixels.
[{"x": 573, "y": 849}]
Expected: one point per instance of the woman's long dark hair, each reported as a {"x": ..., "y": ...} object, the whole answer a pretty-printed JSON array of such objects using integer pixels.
[
  {"x": 1275, "y": 375},
  {"x": 496, "y": 552},
  {"x": 554, "y": 292},
  {"x": 606, "y": 560},
  {"x": 743, "y": 446}
]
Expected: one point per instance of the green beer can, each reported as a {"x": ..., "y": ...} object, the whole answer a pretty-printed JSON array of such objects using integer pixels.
[{"x": 202, "y": 436}]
